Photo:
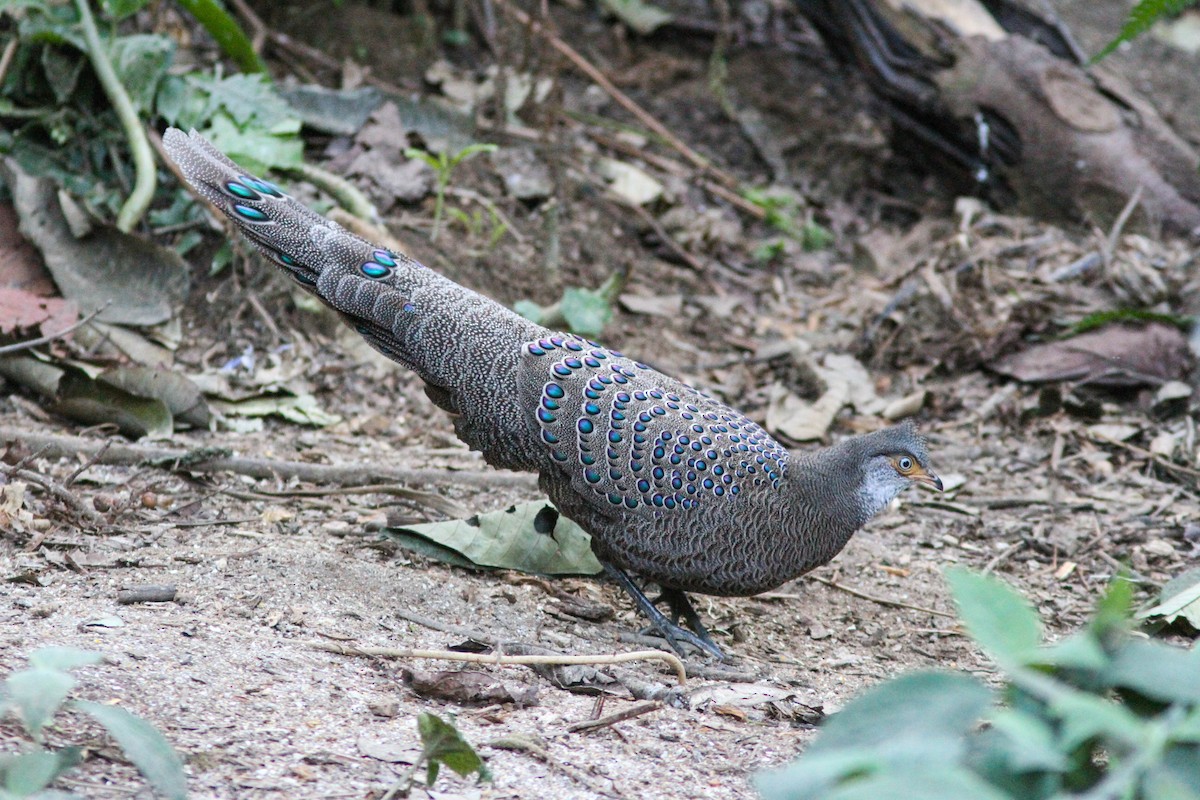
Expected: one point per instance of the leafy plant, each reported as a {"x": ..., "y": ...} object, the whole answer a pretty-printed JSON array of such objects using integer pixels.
[
  {"x": 37, "y": 694},
  {"x": 1100, "y": 714},
  {"x": 475, "y": 223},
  {"x": 782, "y": 212},
  {"x": 1141, "y": 18},
  {"x": 443, "y": 166},
  {"x": 441, "y": 743},
  {"x": 582, "y": 311}
]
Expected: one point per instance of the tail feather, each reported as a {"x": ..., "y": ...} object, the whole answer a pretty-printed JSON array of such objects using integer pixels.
[{"x": 463, "y": 345}]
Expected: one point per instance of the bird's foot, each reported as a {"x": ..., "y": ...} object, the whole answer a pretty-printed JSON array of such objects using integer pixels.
[{"x": 675, "y": 635}]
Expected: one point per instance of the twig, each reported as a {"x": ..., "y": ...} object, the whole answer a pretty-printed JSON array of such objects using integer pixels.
[
  {"x": 445, "y": 627},
  {"x": 612, "y": 719},
  {"x": 667, "y": 239},
  {"x": 1110, "y": 244},
  {"x": 1003, "y": 556},
  {"x": 435, "y": 501},
  {"x": 10, "y": 50},
  {"x": 59, "y": 491},
  {"x": 883, "y": 601},
  {"x": 616, "y": 94},
  {"x": 499, "y": 658},
  {"x": 526, "y": 744},
  {"x": 57, "y": 446},
  {"x": 86, "y": 465},
  {"x": 16, "y": 347}
]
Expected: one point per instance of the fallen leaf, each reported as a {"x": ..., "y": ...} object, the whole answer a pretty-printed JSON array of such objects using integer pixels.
[{"x": 1114, "y": 356}]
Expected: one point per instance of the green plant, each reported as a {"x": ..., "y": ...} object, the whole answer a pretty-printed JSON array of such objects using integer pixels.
[
  {"x": 37, "y": 694},
  {"x": 781, "y": 211},
  {"x": 579, "y": 310},
  {"x": 475, "y": 223},
  {"x": 1141, "y": 17},
  {"x": 1101, "y": 714},
  {"x": 443, "y": 166},
  {"x": 441, "y": 743}
]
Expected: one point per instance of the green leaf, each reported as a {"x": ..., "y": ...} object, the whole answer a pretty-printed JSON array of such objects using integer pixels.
[
  {"x": 586, "y": 311},
  {"x": 1079, "y": 651},
  {"x": 922, "y": 714},
  {"x": 255, "y": 148},
  {"x": 942, "y": 783},
  {"x": 227, "y": 33},
  {"x": 1028, "y": 742},
  {"x": 38, "y": 693},
  {"x": 470, "y": 151},
  {"x": 144, "y": 746},
  {"x": 1157, "y": 670},
  {"x": 1179, "y": 598},
  {"x": 1141, "y": 18},
  {"x": 63, "y": 658},
  {"x": 141, "y": 61},
  {"x": 119, "y": 9},
  {"x": 28, "y": 773},
  {"x": 529, "y": 537},
  {"x": 1000, "y": 620},
  {"x": 1085, "y": 716},
  {"x": 443, "y": 744},
  {"x": 529, "y": 310}
]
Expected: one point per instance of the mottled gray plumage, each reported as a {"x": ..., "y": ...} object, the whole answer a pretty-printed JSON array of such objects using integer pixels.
[{"x": 671, "y": 483}]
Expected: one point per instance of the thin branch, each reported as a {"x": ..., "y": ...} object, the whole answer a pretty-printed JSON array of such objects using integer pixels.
[
  {"x": 616, "y": 94},
  {"x": 17, "y": 347},
  {"x": 883, "y": 601},
  {"x": 57, "y": 446},
  {"x": 498, "y": 658}
]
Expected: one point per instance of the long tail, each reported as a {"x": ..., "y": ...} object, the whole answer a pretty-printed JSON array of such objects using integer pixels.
[{"x": 464, "y": 346}]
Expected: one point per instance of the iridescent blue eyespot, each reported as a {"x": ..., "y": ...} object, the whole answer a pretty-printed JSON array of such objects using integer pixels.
[
  {"x": 238, "y": 190},
  {"x": 614, "y": 498},
  {"x": 592, "y": 408},
  {"x": 574, "y": 346},
  {"x": 586, "y": 426},
  {"x": 250, "y": 213},
  {"x": 550, "y": 404},
  {"x": 614, "y": 437},
  {"x": 591, "y": 475},
  {"x": 549, "y": 438},
  {"x": 305, "y": 278},
  {"x": 591, "y": 362},
  {"x": 573, "y": 363},
  {"x": 384, "y": 257},
  {"x": 554, "y": 390},
  {"x": 373, "y": 270},
  {"x": 559, "y": 369},
  {"x": 587, "y": 458},
  {"x": 408, "y": 308},
  {"x": 535, "y": 350},
  {"x": 266, "y": 187},
  {"x": 545, "y": 416}
]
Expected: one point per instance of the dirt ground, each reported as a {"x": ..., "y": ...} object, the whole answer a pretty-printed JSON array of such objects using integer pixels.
[{"x": 227, "y": 671}]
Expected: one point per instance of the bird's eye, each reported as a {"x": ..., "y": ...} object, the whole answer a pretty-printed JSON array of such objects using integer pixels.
[{"x": 904, "y": 464}]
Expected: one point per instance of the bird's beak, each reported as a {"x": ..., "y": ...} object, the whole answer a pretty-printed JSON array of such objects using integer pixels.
[{"x": 929, "y": 479}]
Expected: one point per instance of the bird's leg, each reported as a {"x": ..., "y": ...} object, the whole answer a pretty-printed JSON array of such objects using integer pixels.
[
  {"x": 673, "y": 633},
  {"x": 681, "y": 608}
]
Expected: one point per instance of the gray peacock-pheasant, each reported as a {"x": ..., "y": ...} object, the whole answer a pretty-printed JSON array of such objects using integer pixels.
[{"x": 673, "y": 485}]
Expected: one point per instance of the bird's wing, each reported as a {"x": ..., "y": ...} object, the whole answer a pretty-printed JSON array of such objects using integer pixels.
[{"x": 633, "y": 440}]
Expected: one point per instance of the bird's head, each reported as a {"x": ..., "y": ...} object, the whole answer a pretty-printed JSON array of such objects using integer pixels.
[{"x": 892, "y": 459}]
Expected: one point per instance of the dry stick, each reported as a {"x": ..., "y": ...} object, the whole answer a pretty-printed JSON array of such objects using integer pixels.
[
  {"x": 1003, "y": 556},
  {"x": 433, "y": 500},
  {"x": 612, "y": 719},
  {"x": 1110, "y": 244},
  {"x": 498, "y": 658},
  {"x": 25, "y": 345},
  {"x": 59, "y": 491},
  {"x": 57, "y": 446},
  {"x": 622, "y": 99},
  {"x": 883, "y": 601}
]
